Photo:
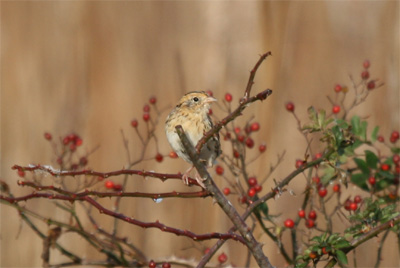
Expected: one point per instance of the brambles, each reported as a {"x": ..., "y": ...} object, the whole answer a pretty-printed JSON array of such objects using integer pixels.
[{"x": 341, "y": 152}]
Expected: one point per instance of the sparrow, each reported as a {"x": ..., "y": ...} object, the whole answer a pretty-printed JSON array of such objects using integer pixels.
[{"x": 192, "y": 113}]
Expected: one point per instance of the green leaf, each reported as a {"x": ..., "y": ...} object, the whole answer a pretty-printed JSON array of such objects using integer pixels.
[
  {"x": 321, "y": 118},
  {"x": 372, "y": 159},
  {"x": 341, "y": 256},
  {"x": 363, "y": 131},
  {"x": 312, "y": 114},
  {"x": 301, "y": 265},
  {"x": 316, "y": 239},
  {"x": 355, "y": 123},
  {"x": 362, "y": 165},
  {"x": 341, "y": 244},
  {"x": 374, "y": 135},
  {"x": 360, "y": 179},
  {"x": 264, "y": 209}
]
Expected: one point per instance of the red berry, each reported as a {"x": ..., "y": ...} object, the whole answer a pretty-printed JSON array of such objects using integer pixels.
[
  {"x": 210, "y": 93},
  {"x": 228, "y": 97},
  {"x": 347, "y": 204},
  {"x": 219, "y": 170},
  {"x": 210, "y": 112},
  {"x": 336, "y": 109},
  {"x": 240, "y": 138},
  {"x": 146, "y": 117},
  {"x": 172, "y": 154},
  {"x": 372, "y": 180},
  {"x": 316, "y": 180},
  {"x": 338, "y": 88},
  {"x": 381, "y": 138},
  {"x": 322, "y": 192},
  {"x": 146, "y": 108},
  {"x": 289, "y": 223},
  {"x": 299, "y": 163},
  {"x": 395, "y": 134},
  {"x": 290, "y": 106},
  {"x": 251, "y": 192},
  {"x": 100, "y": 178},
  {"x": 134, "y": 123},
  {"x": 371, "y": 85},
  {"x": 318, "y": 156},
  {"x": 237, "y": 130},
  {"x": 310, "y": 223},
  {"x": 47, "y": 136},
  {"x": 365, "y": 75},
  {"x": 396, "y": 159},
  {"x": 336, "y": 188},
  {"x": 66, "y": 140},
  {"x": 252, "y": 181},
  {"x": 78, "y": 141},
  {"x": 83, "y": 161},
  {"x": 243, "y": 199},
  {"x": 255, "y": 126},
  {"x": 159, "y": 157},
  {"x": 152, "y": 264},
  {"x": 153, "y": 100},
  {"x": 325, "y": 251},
  {"x": 357, "y": 199},
  {"x": 117, "y": 187},
  {"x": 258, "y": 188},
  {"x": 312, "y": 214},
  {"x": 392, "y": 140},
  {"x": 353, "y": 206},
  {"x": 385, "y": 167},
  {"x": 207, "y": 250},
  {"x": 166, "y": 265},
  {"x": 249, "y": 142},
  {"x": 366, "y": 64},
  {"x": 227, "y": 191},
  {"x": 222, "y": 258},
  {"x": 262, "y": 148},
  {"x": 313, "y": 254},
  {"x": 21, "y": 173},
  {"x": 109, "y": 184},
  {"x": 302, "y": 213},
  {"x": 236, "y": 154}
]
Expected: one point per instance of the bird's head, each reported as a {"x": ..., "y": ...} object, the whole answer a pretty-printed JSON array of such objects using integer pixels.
[{"x": 196, "y": 101}]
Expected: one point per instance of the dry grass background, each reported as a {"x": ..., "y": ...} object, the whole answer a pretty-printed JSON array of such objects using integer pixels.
[{"x": 89, "y": 66}]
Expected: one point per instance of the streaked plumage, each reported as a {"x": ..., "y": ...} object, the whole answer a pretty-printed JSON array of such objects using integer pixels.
[{"x": 192, "y": 114}]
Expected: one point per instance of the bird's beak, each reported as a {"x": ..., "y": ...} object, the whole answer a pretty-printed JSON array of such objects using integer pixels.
[{"x": 210, "y": 99}]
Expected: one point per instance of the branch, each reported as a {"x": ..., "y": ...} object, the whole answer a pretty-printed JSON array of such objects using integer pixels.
[
  {"x": 116, "y": 194},
  {"x": 237, "y": 112},
  {"x": 103, "y": 210},
  {"x": 365, "y": 237},
  {"x": 61, "y": 173},
  {"x": 230, "y": 211},
  {"x": 252, "y": 75},
  {"x": 263, "y": 199}
]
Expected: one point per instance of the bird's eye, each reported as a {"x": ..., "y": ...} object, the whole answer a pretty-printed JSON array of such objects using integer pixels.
[{"x": 196, "y": 99}]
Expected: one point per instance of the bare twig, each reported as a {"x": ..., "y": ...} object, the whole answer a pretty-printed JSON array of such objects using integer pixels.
[{"x": 230, "y": 211}]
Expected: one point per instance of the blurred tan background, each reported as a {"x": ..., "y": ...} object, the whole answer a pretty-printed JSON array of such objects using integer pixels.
[{"x": 89, "y": 67}]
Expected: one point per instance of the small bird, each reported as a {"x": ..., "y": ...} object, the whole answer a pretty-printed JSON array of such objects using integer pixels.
[{"x": 192, "y": 113}]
